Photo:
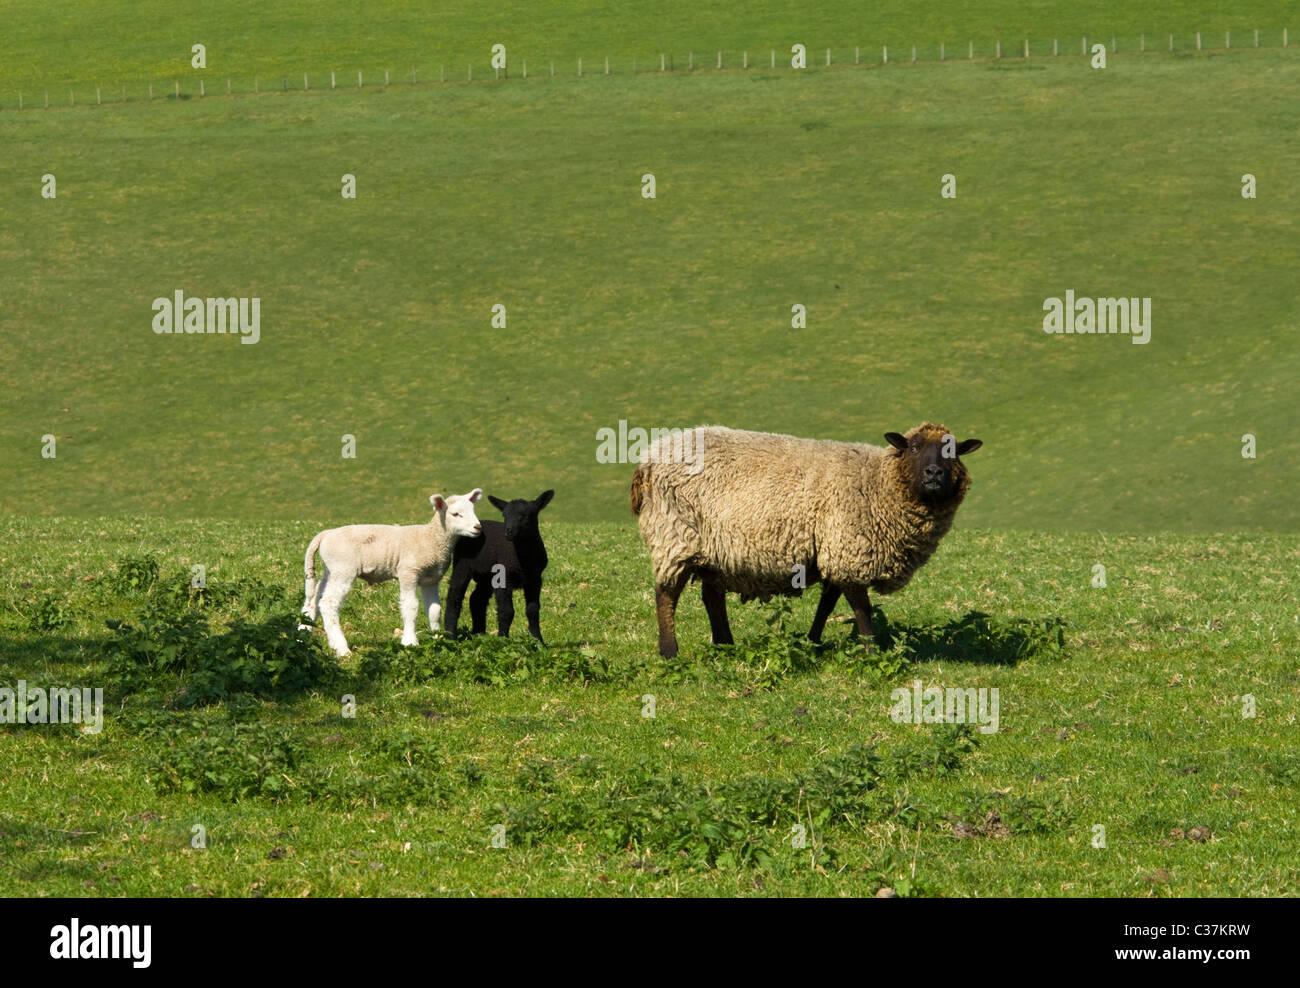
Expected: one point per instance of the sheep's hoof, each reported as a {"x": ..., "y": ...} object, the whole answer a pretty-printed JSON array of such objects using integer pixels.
[{"x": 408, "y": 642}]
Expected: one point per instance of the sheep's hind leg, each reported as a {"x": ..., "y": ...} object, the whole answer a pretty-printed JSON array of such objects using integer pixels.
[
  {"x": 478, "y": 602},
  {"x": 666, "y": 594},
  {"x": 715, "y": 603},
  {"x": 410, "y": 606},
  {"x": 505, "y": 610},
  {"x": 830, "y": 597},
  {"x": 331, "y": 602},
  {"x": 315, "y": 589},
  {"x": 857, "y": 598}
]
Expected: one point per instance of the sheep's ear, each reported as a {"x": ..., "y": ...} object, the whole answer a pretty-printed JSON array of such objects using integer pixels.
[
  {"x": 438, "y": 501},
  {"x": 897, "y": 441},
  {"x": 968, "y": 446},
  {"x": 474, "y": 495},
  {"x": 544, "y": 499},
  {"x": 499, "y": 504}
]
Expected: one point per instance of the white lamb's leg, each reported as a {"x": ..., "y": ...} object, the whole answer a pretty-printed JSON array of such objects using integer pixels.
[
  {"x": 330, "y": 604},
  {"x": 432, "y": 605},
  {"x": 410, "y": 608},
  {"x": 313, "y": 591}
]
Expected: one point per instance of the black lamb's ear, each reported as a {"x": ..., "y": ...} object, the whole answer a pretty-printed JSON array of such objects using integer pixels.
[
  {"x": 544, "y": 499},
  {"x": 897, "y": 441},
  {"x": 968, "y": 446},
  {"x": 499, "y": 504}
]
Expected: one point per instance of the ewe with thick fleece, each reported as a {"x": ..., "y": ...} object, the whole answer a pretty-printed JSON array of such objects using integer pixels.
[
  {"x": 414, "y": 555},
  {"x": 762, "y": 514}
]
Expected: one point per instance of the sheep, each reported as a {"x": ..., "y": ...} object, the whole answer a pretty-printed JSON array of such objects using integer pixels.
[
  {"x": 762, "y": 514},
  {"x": 508, "y": 556},
  {"x": 414, "y": 555}
]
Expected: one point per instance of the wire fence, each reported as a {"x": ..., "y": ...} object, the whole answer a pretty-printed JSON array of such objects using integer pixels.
[{"x": 197, "y": 84}]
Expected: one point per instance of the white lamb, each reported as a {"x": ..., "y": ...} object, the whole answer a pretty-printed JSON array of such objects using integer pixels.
[{"x": 414, "y": 555}]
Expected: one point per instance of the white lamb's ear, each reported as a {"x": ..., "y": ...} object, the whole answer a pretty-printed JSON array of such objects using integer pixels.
[
  {"x": 438, "y": 501},
  {"x": 474, "y": 495}
]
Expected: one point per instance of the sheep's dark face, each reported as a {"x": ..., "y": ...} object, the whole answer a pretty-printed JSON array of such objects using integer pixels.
[
  {"x": 929, "y": 464},
  {"x": 520, "y": 515}
]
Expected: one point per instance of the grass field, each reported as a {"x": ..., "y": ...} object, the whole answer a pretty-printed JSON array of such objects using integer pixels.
[
  {"x": 774, "y": 188},
  {"x": 1132, "y": 722},
  {"x": 1160, "y": 707}
]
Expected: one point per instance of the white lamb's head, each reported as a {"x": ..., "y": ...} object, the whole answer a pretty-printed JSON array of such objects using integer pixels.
[{"x": 457, "y": 512}]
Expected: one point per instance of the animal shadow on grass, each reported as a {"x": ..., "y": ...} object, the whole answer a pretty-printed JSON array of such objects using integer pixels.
[{"x": 976, "y": 638}]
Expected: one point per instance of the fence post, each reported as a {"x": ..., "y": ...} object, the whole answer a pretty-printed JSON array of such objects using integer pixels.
[
  {"x": 284, "y": 83},
  {"x": 913, "y": 53},
  {"x": 1142, "y": 42},
  {"x": 331, "y": 78},
  {"x": 607, "y": 64},
  {"x": 1171, "y": 42},
  {"x": 1198, "y": 40},
  {"x": 970, "y": 51},
  {"x": 304, "y": 77},
  {"x": 1227, "y": 39},
  {"x": 661, "y": 62},
  {"x": 773, "y": 58},
  {"x": 358, "y": 78},
  {"x": 1256, "y": 37},
  {"x": 719, "y": 59},
  {"x": 98, "y": 101},
  {"x": 579, "y": 68},
  {"x": 999, "y": 49},
  {"x": 746, "y": 58},
  {"x": 47, "y": 104},
  {"x": 1054, "y": 49},
  {"x": 1026, "y": 48},
  {"x": 306, "y": 86},
  {"x": 884, "y": 54},
  {"x": 177, "y": 87},
  {"x": 203, "y": 90},
  {"x": 690, "y": 61},
  {"x": 1283, "y": 37},
  {"x": 525, "y": 68}
]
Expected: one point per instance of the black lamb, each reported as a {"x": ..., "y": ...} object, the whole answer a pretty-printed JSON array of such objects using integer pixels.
[{"x": 508, "y": 556}]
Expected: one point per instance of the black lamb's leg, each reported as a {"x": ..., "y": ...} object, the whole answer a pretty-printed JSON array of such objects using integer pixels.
[
  {"x": 478, "y": 602},
  {"x": 533, "y": 607},
  {"x": 505, "y": 610}
]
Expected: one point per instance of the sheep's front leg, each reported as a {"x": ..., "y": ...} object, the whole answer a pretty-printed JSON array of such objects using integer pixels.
[
  {"x": 533, "y": 607},
  {"x": 830, "y": 597},
  {"x": 432, "y": 605},
  {"x": 410, "y": 608},
  {"x": 857, "y": 598}
]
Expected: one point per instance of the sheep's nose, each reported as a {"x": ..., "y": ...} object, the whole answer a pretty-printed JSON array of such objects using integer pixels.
[
  {"x": 933, "y": 472},
  {"x": 478, "y": 528}
]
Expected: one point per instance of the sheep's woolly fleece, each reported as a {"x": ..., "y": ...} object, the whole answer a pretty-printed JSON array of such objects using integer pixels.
[{"x": 751, "y": 506}]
